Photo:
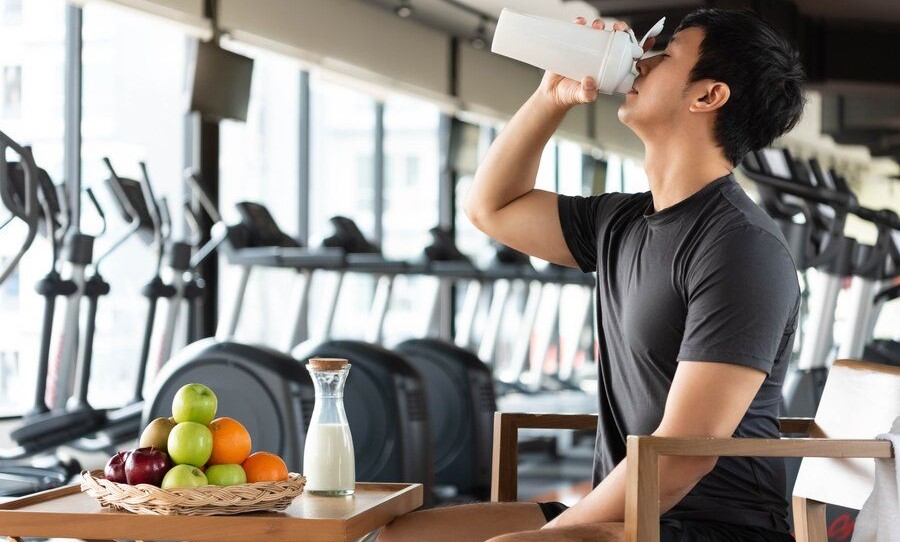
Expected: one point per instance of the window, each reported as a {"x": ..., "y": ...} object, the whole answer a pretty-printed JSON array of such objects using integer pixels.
[
  {"x": 342, "y": 173},
  {"x": 411, "y": 181},
  {"x": 634, "y": 178},
  {"x": 570, "y": 169},
  {"x": 32, "y": 64},
  {"x": 469, "y": 239},
  {"x": 12, "y": 12},
  {"x": 411, "y": 176},
  {"x": 342, "y": 163},
  {"x": 258, "y": 161},
  {"x": 547, "y": 172},
  {"x": 133, "y": 110},
  {"x": 12, "y": 92}
]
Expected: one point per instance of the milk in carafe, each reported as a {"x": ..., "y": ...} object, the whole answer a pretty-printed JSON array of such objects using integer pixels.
[{"x": 329, "y": 463}]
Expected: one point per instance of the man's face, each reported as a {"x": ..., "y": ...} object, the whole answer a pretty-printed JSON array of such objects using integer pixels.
[{"x": 661, "y": 95}]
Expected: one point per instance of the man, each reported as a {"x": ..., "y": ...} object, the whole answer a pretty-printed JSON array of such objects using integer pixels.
[{"x": 697, "y": 293}]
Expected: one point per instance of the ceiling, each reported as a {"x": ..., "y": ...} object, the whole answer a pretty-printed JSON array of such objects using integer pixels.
[
  {"x": 861, "y": 10},
  {"x": 836, "y": 39}
]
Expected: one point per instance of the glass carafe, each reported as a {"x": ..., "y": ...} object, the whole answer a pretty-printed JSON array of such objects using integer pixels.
[{"x": 328, "y": 461}]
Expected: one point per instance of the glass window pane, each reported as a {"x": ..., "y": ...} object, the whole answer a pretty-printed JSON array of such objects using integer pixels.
[
  {"x": 342, "y": 182},
  {"x": 634, "y": 177},
  {"x": 411, "y": 175},
  {"x": 469, "y": 239},
  {"x": 411, "y": 181},
  {"x": 32, "y": 66},
  {"x": 134, "y": 80},
  {"x": 342, "y": 159},
  {"x": 614, "y": 174},
  {"x": 12, "y": 12},
  {"x": 570, "y": 176},
  {"x": 258, "y": 161},
  {"x": 12, "y": 92},
  {"x": 546, "y": 175}
]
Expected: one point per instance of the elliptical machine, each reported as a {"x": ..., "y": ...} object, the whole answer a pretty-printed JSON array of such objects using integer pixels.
[
  {"x": 139, "y": 207},
  {"x": 24, "y": 191},
  {"x": 28, "y": 209}
]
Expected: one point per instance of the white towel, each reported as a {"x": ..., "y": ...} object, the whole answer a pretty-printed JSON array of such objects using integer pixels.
[{"x": 879, "y": 519}]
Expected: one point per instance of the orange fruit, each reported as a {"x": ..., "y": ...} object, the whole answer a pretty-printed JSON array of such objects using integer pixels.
[
  {"x": 265, "y": 467},
  {"x": 231, "y": 442}
]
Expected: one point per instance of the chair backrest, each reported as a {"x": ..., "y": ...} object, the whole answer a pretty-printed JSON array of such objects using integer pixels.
[{"x": 860, "y": 400}]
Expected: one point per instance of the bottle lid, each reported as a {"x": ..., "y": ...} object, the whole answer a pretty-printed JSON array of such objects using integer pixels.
[{"x": 328, "y": 364}]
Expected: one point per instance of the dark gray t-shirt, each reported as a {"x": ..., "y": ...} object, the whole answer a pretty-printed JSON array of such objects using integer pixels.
[{"x": 709, "y": 279}]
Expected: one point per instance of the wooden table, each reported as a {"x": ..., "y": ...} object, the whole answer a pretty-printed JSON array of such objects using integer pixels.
[{"x": 68, "y": 513}]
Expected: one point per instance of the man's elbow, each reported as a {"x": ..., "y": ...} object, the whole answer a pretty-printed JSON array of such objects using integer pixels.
[
  {"x": 476, "y": 212},
  {"x": 684, "y": 472}
]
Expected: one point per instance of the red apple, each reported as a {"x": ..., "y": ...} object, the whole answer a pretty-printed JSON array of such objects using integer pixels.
[
  {"x": 146, "y": 466},
  {"x": 115, "y": 468}
]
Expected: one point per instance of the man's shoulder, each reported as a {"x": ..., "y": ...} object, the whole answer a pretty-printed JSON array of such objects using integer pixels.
[
  {"x": 617, "y": 199},
  {"x": 617, "y": 205},
  {"x": 750, "y": 216},
  {"x": 604, "y": 209}
]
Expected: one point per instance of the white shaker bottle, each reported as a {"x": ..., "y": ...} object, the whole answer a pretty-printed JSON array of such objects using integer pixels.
[
  {"x": 328, "y": 460},
  {"x": 572, "y": 50}
]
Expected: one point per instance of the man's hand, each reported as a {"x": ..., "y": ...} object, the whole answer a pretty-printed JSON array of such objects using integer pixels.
[{"x": 565, "y": 92}]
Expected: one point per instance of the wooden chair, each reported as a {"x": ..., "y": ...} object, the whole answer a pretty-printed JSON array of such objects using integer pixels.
[{"x": 860, "y": 400}]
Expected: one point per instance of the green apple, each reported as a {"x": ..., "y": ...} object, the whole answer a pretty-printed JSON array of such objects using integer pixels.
[
  {"x": 183, "y": 476},
  {"x": 194, "y": 403},
  {"x": 190, "y": 443},
  {"x": 156, "y": 433},
  {"x": 226, "y": 475}
]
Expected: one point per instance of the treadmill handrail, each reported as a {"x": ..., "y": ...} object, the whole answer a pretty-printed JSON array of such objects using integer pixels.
[
  {"x": 824, "y": 195},
  {"x": 816, "y": 195},
  {"x": 884, "y": 217}
]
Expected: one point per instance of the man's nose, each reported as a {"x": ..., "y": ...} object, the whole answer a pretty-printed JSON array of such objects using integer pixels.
[{"x": 644, "y": 65}]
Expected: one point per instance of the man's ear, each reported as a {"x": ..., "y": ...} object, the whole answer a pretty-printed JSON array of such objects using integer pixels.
[{"x": 713, "y": 95}]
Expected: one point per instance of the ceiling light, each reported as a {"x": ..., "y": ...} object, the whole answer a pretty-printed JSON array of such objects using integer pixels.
[{"x": 404, "y": 10}]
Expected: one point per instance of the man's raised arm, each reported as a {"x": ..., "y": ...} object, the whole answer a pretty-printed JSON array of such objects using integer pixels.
[{"x": 503, "y": 202}]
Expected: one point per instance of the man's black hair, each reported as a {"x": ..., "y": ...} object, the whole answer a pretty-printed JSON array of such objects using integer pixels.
[{"x": 762, "y": 70}]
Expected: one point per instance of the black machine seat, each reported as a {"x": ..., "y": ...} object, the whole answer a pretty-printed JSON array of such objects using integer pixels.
[{"x": 461, "y": 406}]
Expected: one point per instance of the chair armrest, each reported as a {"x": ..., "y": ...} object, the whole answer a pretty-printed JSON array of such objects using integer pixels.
[
  {"x": 642, "y": 478},
  {"x": 504, "y": 466}
]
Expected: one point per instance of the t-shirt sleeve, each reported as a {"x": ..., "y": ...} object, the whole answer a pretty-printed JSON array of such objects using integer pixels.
[
  {"x": 742, "y": 296},
  {"x": 582, "y": 219}
]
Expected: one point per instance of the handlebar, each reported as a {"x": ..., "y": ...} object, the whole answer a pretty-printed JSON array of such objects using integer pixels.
[
  {"x": 134, "y": 219},
  {"x": 28, "y": 211},
  {"x": 99, "y": 209},
  {"x": 816, "y": 195},
  {"x": 192, "y": 178}
]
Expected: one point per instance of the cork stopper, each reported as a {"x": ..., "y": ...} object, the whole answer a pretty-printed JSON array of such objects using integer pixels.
[{"x": 328, "y": 364}]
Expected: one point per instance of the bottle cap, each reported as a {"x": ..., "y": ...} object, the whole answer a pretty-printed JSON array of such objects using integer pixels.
[{"x": 328, "y": 364}]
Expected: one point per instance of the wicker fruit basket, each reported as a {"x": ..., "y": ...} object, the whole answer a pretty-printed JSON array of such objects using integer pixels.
[{"x": 201, "y": 501}]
